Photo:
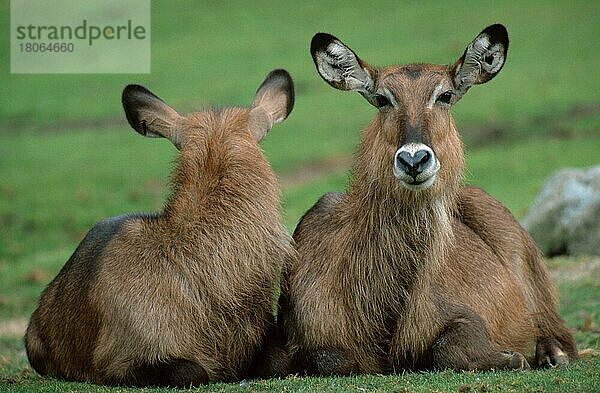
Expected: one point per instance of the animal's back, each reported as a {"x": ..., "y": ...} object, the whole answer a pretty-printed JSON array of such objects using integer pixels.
[
  {"x": 207, "y": 300},
  {"x": 320, "y": 214},
  {"x": 127, "y": 297}
]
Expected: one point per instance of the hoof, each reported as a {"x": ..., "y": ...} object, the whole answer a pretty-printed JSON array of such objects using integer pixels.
[
  {"x": 549, "y": 354},
  {"x": 515, "y": 361},
  {"x": 556, "y": 358}
]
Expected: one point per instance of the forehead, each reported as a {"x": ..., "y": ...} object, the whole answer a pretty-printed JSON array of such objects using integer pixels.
[{"x": 413, "y": 74}]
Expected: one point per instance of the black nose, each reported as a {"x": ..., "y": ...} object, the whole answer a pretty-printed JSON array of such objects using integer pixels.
[{"x": 413, "y": 164}]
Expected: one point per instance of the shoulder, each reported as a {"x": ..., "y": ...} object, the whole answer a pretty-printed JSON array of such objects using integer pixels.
[
  {"x": 490, "y": 220},
  {"x": 320, "y": 213},
  {"x": 475, "y": 205}
]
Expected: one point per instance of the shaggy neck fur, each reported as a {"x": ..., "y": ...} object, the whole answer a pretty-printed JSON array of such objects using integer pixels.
[
  {"x": 225, "y": 204},
  {"x": 402, "y": 235},
  {"x": 222, "y": 175}
]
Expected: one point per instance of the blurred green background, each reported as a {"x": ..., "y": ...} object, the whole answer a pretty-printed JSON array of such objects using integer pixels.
[{"x": 68, "y": 157}]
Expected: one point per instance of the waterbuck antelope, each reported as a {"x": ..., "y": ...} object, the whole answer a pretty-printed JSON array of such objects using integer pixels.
[
  {"x": 411, "y": 269},
  {"x": 185, "y": 296}
]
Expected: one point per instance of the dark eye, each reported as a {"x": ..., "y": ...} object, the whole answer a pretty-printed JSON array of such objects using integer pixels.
[
  {"x": 445, "y": 97},
  {"x": 381, "y": 101}
]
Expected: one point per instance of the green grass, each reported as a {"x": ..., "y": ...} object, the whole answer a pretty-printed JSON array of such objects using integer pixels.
[
  {"x": 580, "y": 377},
  {"x": 68, "y": 158}
]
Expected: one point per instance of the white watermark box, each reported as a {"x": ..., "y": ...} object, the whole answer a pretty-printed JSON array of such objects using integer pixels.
[{"x": 79, "y": 36}]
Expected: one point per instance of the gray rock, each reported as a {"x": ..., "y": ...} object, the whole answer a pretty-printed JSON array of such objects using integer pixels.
[{"x": 565, "y": 217}]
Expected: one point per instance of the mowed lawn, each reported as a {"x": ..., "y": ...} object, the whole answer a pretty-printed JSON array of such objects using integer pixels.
[{"x": 68, "y": 157}]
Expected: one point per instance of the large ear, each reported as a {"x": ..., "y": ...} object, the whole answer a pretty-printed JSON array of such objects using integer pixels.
[
  {"x": 150, "y": 116},
  {"x": 273, "y": 102},
  {"x": 339, "y": 66},
  {"x": 483, "y": 59}
]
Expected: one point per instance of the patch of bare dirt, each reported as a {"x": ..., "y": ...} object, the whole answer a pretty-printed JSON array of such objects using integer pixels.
[
  {"x": 16, "y": 124},
  {"x": 13, "y": 327},
  {"x": 153, "y": 187},
  {"x": 314, "y": 170},
  {"x": 478, "y": 135},
  {"x": 570, "y": 269},
  {"x": 37, "y": 275},
  {"x": 475, "y": 134}
]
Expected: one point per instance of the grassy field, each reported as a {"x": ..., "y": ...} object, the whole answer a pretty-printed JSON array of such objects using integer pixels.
[{"x": 68, "y": 158}]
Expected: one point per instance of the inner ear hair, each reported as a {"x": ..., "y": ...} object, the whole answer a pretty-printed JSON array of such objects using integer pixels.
[
  {"x": 339, "y": 66},
  {"x": 482, "y": 60}
]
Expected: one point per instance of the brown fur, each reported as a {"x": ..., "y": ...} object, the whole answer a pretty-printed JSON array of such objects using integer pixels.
[
  {"x": 389, "y": 278},
  {"x": 185, "y": 296}
]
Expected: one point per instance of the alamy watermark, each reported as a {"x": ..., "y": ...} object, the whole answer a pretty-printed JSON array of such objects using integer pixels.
[{"x": 80, "y": 36}]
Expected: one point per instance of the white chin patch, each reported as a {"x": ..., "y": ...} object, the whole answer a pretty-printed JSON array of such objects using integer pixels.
[{"x": 419, "y": 186}]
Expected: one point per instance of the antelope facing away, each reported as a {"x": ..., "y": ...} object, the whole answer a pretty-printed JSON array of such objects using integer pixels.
[
  {"x": 411, "y": 269},
  {"x": 185, "y": 296}
]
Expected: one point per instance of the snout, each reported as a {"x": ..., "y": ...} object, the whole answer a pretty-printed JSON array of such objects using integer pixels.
[{"x": 416, "y": 166}]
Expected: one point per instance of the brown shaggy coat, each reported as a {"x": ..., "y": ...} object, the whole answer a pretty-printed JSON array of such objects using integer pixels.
[
  {"x": 406, "y": 271},
  {"x": 184, "y": 296}
]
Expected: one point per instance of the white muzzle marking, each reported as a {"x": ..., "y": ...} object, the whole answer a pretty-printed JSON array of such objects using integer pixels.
[{"x": 414, "y": 172}]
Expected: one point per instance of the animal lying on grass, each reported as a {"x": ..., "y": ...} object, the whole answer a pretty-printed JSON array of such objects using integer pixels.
[
  {"x": 411, "y": 269},
  {"x": 184, "y": 296}
]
